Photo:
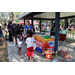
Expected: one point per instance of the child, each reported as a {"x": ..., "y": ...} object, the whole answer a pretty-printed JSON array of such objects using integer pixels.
[
  {"x": 29, "y": 42},
  {"x": 19, "y": 41}
]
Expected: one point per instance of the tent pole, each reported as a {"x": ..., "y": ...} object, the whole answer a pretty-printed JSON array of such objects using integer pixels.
[
  {"x": 40, "y": 26},
  {"x": 57, "y": 19},
  {"x": 24, "y": 20},
  {"x": 32, "y": 20}
]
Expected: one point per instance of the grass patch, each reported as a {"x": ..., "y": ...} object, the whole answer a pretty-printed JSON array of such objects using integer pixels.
[
  {"x": 3, "y": 53},
  {"x": 72, "y": 39}
]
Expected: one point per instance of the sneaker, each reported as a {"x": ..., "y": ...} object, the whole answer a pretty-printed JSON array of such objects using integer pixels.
[
  {"x": 25, "y": 54},
  {"x": 21, "y": 56},
  {"x": 14, "y": 44},
  {"x": 31, "y": 60}
]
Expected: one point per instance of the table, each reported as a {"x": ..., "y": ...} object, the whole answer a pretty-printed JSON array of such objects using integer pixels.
[{"x": 42, "y": 43}]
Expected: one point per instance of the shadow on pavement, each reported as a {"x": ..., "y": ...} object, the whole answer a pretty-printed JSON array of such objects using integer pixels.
[
  {"x": 72, "y": 42},
  {"x": 69, "y": 41}
]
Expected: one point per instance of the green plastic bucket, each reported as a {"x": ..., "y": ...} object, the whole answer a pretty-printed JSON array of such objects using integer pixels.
[
  {"x": 46, "y": 37},
  {"x": 45, "y": 31}
]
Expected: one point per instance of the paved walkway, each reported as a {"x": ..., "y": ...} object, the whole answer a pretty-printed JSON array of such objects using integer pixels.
[{"x": 14, "y": 57}]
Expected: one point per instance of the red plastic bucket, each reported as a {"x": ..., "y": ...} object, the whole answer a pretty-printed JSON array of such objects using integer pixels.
[{"x": 49, "y": 56}]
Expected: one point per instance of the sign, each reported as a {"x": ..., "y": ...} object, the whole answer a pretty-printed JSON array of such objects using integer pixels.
[
  {"x": 39, "y": 44},
  {"x": 51, "y": 43}
]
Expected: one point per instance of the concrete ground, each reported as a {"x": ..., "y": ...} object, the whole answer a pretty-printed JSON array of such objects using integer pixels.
[{"x": 14, "y": 57}]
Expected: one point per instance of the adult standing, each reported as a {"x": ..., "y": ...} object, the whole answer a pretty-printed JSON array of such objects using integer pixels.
[
  {"x": 27, "y": 27},
  {"x": 14, "y": 35},
  {"x": 9, "y": 30}
]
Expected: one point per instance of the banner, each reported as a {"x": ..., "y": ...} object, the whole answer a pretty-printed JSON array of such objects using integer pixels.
[
  {"x": 39, "y": 44},
  {"x": 51, "y": 43}
]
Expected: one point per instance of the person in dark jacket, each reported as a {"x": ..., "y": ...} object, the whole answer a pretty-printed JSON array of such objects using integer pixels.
[
  {"x": 9, "y": 30},
  {"x": 14, "y": 35}
]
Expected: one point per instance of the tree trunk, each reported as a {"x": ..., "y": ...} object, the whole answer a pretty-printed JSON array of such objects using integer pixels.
[{"x": 11, "y": 16}]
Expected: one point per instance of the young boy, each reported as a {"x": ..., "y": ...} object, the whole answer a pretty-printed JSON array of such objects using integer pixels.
[
  {"x": 29, "y": 42},
  {"x": 19, "y": 41}
]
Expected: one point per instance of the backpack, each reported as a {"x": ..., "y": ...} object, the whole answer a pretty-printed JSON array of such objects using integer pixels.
[{"x": 15, "y": 28}]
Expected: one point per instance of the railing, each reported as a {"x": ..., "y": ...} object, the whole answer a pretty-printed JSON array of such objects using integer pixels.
[{"x": 66, "y": 51}]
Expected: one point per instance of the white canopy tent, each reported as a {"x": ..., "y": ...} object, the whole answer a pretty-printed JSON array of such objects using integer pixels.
[{"x": 49, "y": 16}]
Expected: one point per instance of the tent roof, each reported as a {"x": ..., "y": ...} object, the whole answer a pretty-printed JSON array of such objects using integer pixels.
[
  {"x": 24, "y": 14},
  {"x": 46, "y": 15},
  {"x": 35, "y": 23}
]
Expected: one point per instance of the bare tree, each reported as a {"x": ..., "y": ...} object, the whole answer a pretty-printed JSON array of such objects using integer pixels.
[
  {"x": 9, "y": 16},
  {"x": 12, "y": 16}
]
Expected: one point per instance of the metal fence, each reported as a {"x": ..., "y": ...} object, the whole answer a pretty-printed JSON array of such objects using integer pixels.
[{"x": 66, "y": 51}]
